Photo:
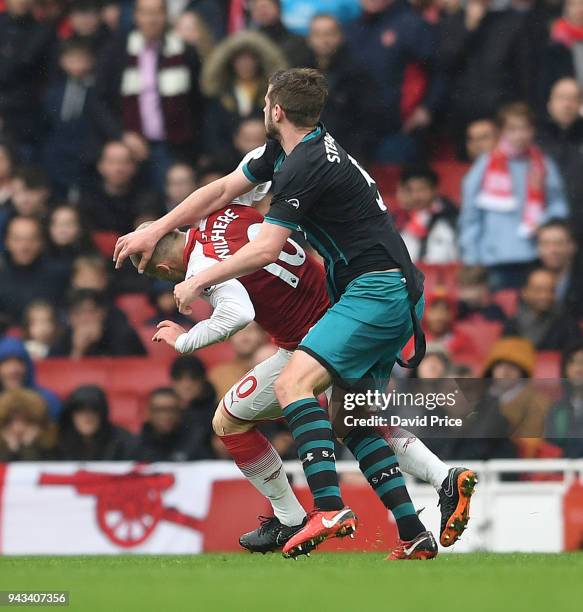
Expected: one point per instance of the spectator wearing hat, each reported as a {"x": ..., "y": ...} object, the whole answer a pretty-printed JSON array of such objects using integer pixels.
[
  {"x": 86, "y": 432},
  {"x": 26, "y": 431}
]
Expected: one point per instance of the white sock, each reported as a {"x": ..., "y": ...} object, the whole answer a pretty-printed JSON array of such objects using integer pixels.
[
  {"x": 262, "y": 466},
  {"x": 415, "y": 458}
]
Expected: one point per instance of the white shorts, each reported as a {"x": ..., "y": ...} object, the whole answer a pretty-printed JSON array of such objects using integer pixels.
[{"x": 253, "y": 397}]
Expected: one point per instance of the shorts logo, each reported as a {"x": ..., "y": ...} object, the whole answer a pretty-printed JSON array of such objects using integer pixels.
[
  {"x": 247, "y": 386},
  {"x": 294, "y": 202}
]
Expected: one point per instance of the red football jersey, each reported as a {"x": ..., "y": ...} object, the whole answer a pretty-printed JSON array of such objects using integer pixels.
[{"x": 289, "y": 295}]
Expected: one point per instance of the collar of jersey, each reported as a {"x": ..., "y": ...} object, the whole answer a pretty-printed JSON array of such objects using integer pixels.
[{"x": 313, "y": 134}]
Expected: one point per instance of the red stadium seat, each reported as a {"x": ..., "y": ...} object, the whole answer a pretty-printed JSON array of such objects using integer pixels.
[
  {"x": 105, "y": 242},
  {"x": 63, "y": 375},
  {"x": 126, "y": 410},
  {"x": 201, "y": 310},
  {"x": 215, "y": 354},
  {"x": 136, "y": 306},
  {"x": 138, "y": 375},
  {"x": 387, "y": 179},
  {"x": 157, "y": 350},
  {"x": 507, "y": 299},
  {"x": 548, "y": 365},
  {"x": 451, "y": 174},
  {"x": 443, "y": 276},
  {"x": 483, "y": 333}
]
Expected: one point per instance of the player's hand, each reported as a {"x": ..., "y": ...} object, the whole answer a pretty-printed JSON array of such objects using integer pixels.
[
  {"x": 185, "y": 293},
  {"x": 140, "y": 243},
  {"x": 168, "y": 332}
]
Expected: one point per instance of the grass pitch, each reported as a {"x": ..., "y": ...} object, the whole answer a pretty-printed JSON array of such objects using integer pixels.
[{"x": 325, "y": 582}]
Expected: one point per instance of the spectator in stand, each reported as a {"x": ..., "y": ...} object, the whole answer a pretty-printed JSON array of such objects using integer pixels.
[
  {"x": 68, "y": 237},
  {"x": 180, "y": 183},
  {"x": 349, "y": 114},
  {"x": 86, "y": 24},
  {"x": 388, "y": 40},
  {"x": 67, "y": 119},
  {"x": 561, "y": 136},
  {"x": 26, "y": 431},
  {"x": 474, "y": 298},
  {"x": 539, "y": 317},
  {"x": 198, "y": 401},
  {"x": 17, "y": 372},
  {"x": 481, "y": 138},
  {"x": 558, "y": 253},
  {"x": 266, "y": 18},
  {"x": 147, "y": 92},
  {"x": 24, "y": 55},
  {"x": 435, "y": 365},
  {"x": 235, "y": 79},
  {"x": 91, "y": 272},
  {"x": 161, "y": 296},
  {"x": 191, "y": 28},
  {"x": 40, "y": 329},
  {"x": 429, "y": 222},
  {"x": 7, "y": 167},
  {"x": 165, "y": 436},
  {"x": 92, "y": 333},
  {"x": 507, "y": 196},
  {"x": 510, "y": 366},
  {"x": 248, "y": 135},
  {"x": 245, "y": 343},
  {"x": 111, "y": 14},
  {"x": 116, "y": 201},
  {"x": 564, "y": 422},
  {"x": 298, "y": 14},
  {"x": 86, "y": 432},
  {"x": 565, "y": 53},
  {"x": 484, "y": 52},
  {"x": 440, "y": 330},
  {"x": 31, "y": 189},
  {"x": 26, "y": 273}
]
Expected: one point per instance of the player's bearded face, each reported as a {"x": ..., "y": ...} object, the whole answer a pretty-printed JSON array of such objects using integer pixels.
[{"x": 270, "y": 125}]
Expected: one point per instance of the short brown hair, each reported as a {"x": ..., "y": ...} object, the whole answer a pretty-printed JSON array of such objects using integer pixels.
[
  {"x": 516, "y": 109},
  {"x": 472, "y": 275},
  {"x": 301, "y": 93}
]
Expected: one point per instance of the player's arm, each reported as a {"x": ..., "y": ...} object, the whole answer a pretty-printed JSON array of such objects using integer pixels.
[
  {"x": 256, "y": 254},
  {"x": 232, "y": 310},
  {"x": 196, "y": 206}
]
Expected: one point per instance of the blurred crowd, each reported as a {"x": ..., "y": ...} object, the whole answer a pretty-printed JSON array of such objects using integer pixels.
[{"x": 113, "y": 111}]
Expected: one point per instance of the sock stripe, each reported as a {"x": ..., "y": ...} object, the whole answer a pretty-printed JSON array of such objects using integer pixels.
[
  {"x": 386, "y": 462},
  {"x": 358, "y": 448},
  {"x": 390, "y": 485},
  {"x": 303, "y": 414},
  {"x": 308, "y": 446},
  {"x": 297, "y": 404},
  {"x": 402, "y": 510},
  {"x": 332, "y": 491},
  {"x": 371, "y": 448},
  {"x": 311, "y": 427},
  {"x": 322, "y": 466}
]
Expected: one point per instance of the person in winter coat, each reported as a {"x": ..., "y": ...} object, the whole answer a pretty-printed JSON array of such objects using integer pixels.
[
  {"x": 87, "y": 434},
  {"x": 17, "y": 372},
  {"x": 234, "y": 78}
]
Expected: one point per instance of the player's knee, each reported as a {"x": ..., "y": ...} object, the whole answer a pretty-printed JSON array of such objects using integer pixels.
[
  {"x": 286, "y": 388},
  {"x": 223, "y": 425}
]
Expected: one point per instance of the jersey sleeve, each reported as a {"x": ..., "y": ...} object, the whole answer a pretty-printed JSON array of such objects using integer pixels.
[
  {"x": 296, "y": 189},
  {"x": 258, "y": 165}
]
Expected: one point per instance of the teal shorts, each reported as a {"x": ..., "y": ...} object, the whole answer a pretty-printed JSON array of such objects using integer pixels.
[{"x": 363, "y": 333}]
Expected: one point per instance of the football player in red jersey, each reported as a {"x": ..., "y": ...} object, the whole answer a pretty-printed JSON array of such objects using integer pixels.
[{"x": 286, "y": 298}]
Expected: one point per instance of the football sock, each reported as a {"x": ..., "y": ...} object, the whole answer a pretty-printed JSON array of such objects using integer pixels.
[
  {"x": 415, "y": 458},
  {"x": 262, "y": 467},
  {"x": 380, "y": 467},
  {"x": 312, "y": 432}
]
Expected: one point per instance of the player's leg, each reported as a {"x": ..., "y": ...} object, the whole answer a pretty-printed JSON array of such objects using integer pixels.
[
  {"x": 248, "y": 401},
  {"x": 311, "y": 429},
  {"x": 455, "y": 485}
]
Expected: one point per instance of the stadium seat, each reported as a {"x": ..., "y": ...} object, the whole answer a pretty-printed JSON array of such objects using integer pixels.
[
  {"x": 387, "y": 179},
  {"x": 136, "y": 306},
  {"x": 548, "y": 365},
  {"x": 201, "y": 310},
  {"x": 138, "y": 375},
  {"x": 451, "y": 174},
  {"x": 63, "y": 375},
  {"x": 105, "y": 242},
  {"x": 126, "y": 410},
  {"x": 443, "y": 276},
  {"x": 157, "y": 350},
  {"x": 507, "y": 299},
  {"x": 215, "y": 354},
  {"x": 483, "y": 333}
]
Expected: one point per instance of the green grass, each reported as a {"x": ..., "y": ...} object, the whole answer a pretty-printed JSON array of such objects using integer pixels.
[{"x": 324, "y": 582}]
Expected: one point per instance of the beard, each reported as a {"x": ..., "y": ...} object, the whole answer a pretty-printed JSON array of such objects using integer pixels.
[{"x": 271, "y": 129}]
